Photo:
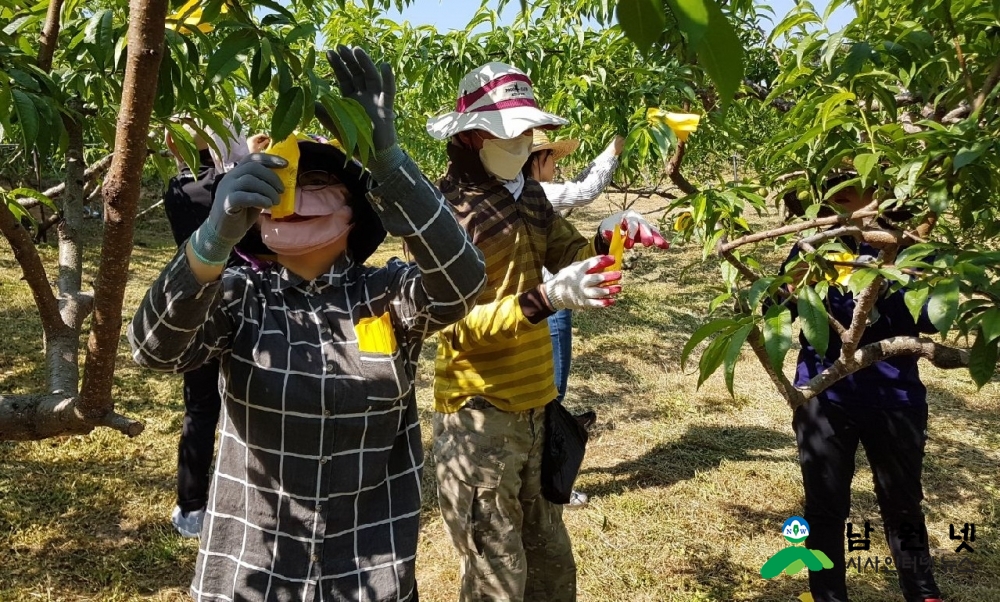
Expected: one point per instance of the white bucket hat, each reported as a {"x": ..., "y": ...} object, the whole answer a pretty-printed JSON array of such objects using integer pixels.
[{"x": 496, "y": 98}]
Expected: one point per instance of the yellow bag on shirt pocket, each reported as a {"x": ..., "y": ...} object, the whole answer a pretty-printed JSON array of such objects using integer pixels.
[{"x": 375, "y": 335}]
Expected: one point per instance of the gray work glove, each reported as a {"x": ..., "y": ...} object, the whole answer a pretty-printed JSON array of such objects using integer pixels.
[
  {"x": 241, "y": 194},
  {"x": 373, "y": 87}
]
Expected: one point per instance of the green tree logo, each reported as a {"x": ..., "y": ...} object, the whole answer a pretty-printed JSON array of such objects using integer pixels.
[{"x": 794, "y": 558}]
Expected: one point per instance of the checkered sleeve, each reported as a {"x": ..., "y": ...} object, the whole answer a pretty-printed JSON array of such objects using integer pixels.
[
  {"x": 181, "y": 323},
  {"x": 449, "y": 271}
]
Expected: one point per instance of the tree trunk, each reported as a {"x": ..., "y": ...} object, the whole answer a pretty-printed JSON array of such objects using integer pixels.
[
  {"x": 50, "y": 35},
  {"x": 62, "y": 353},
  {"x": 62, "y": 411},
  {"x": 121, "y": 197}
]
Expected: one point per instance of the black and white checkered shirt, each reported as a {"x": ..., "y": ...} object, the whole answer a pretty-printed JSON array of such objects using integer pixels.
[{"x": 316, "y": 493}]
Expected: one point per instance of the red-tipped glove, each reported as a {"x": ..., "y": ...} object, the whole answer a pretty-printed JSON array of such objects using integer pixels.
[
  {"x": 581, "y": 285},
  {"x": 637, "y": 230}
]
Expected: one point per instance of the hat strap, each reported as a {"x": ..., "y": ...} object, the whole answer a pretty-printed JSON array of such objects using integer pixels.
[{"x": 466, "y": 101}]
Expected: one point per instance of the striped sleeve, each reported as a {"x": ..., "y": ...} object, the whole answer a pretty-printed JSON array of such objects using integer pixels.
[{"x": 586, "y": 186}]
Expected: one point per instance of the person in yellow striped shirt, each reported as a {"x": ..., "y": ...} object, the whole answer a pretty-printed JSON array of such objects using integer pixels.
[{"x": 494, "y": 369}]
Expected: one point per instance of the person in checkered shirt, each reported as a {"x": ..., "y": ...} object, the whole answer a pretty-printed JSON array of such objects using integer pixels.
[{"x": 316, "y": 489}]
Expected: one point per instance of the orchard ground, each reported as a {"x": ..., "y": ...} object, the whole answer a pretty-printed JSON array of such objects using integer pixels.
[{"x": 689, "y": 488}]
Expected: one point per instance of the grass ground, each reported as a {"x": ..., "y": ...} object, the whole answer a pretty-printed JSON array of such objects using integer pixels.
[{"x": 689, "y": 488}]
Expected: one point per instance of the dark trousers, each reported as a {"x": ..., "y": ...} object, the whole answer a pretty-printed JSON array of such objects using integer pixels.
[
  {"x": 828, "y": 435},
  {"x": 202, "y": 405},
  {"x": 561, "y": 330}
]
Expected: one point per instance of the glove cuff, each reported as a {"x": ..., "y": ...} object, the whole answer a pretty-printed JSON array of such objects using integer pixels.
[
  {"x": 209, "y": 247},
  {"x": 385, "y": 162},
  {"x": 552, "y": 295}
]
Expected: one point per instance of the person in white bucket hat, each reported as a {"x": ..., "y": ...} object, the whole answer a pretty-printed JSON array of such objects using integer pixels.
[{"x": 494, "y": 370}]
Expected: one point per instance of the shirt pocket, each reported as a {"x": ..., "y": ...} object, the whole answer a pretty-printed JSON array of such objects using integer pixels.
[
  {"x": 381, "y": 362},
  {"x": 376, "y": 335}
]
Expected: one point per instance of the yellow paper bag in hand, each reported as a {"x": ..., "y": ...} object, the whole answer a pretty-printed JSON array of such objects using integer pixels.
[
  {"x": 287, "y": 149},
  {"x": 616, "y": 250}
]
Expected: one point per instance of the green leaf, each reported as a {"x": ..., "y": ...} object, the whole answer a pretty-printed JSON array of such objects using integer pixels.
[
  {"x": 856, "y": 58},
  {"x": 938, "y": 197},
  {"x": 712, "y": 358},
  {"x": 778, "y": 335},
  {"x": 703, "y": 332},
  {"x": 791, "y": 21},
  {"x": 943, "y": 306},
  {"x": 363, "y": 126},
  {"x": 983, "y": 359},
  {"x": 990, "y": 324},
  {"x": 815, "y": 324},
  {"x": 968, "y": 154},
  {"x": 288, "y": 113},
  {"x": 692, "y": 18},
  {"x": 865, "y": 163},
  {"x": 260, "y": 68},
  {"x": 27, "y": 117},
  {"x": 98, "y": 35},
  {"x": 720, "y": 52},
  {"x": 185, "y": 143},
  {"x": 757, "y": 291},
  {"x": 860, "y": 279},
  {"x": 733, "y": 353},
  {"x": 642, "y": 21},
  {"x": 915, "y": 298},
  {"x": 223, "y": 60},
  {"x": 18, "y": 193},
  {"x": 717, "y": 301},
  {"x": 15, "y": 208}
]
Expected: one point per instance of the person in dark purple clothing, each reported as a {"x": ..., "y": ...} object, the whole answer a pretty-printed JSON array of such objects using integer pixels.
[
  {"x": 187, "y": 202},
  {"x": 884, "y": 408}
]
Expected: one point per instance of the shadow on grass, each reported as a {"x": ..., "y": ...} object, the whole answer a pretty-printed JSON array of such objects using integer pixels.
[
  {"x": 67, "y": 518},
  {"x": 700, "y": 448}
]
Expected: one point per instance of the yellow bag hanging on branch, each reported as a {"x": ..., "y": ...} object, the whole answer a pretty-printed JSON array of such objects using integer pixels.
[{"x": 287, "y": 149}]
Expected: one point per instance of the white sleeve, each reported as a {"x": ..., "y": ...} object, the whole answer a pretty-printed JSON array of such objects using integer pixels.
[{"x": 585, "y": 187}]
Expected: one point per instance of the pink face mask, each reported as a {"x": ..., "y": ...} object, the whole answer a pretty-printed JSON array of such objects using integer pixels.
[{"x": 329, "y": 220}]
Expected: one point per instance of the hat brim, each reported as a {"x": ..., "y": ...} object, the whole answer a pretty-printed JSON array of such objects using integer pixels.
[
  {"x": 559, "y": 148},
  {"x": 505, "y": 123}
]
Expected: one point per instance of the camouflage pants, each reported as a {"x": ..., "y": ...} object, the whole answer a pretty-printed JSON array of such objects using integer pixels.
[{"x": 513, "y": 543}]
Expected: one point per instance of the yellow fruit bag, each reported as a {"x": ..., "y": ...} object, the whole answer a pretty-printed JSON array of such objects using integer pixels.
[
  {"x": 287, "y": 149},
  {"x": 617, "y": 249}
]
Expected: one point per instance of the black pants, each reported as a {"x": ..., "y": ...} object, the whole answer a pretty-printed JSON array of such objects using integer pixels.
[
  {"x": 828, "y": 435},
  {"x": 202, "y": 405}
]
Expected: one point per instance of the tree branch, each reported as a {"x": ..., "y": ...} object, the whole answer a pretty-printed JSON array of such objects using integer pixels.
[
  {"x": 792, "y": 395},
  {"x": 799, "y": 227},
  {"x": 50, "y": 36},
  {"x": 941, "y": 356},
  {"x": 34, "y": 417},
  {"x": 89, "y": 175},
  {"x": 988, "y": 85},
  {"x": 673, "y": 168},
  {"x": 27, "y": 257}
]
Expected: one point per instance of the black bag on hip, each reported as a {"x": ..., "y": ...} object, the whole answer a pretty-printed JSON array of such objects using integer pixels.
[{"x": 565, "y": 445}]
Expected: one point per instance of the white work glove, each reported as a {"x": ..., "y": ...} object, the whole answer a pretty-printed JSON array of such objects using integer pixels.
[
  {"x": 579, "y": 285},
  {"x": 637, "y": 230}
]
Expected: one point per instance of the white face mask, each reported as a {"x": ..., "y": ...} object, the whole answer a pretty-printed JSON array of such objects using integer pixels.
[{"x": 505, "y": 158}]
